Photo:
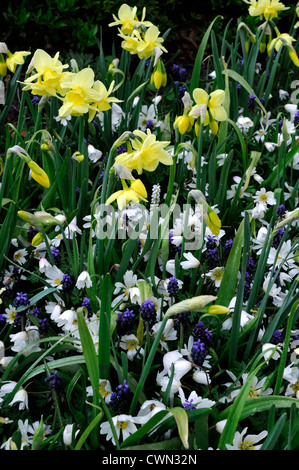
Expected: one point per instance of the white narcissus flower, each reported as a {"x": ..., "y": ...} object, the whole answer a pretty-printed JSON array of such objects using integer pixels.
[
  {"x": 245, "y": 317},
  {"x": 54, "y": 276},
  {"x": 123, "y": 424},
  {"x": 241, "y": 442},
  {"x": 43, "y": 265},
  {"x": 201, "y": 377},
  {"x": 291, "y": 374},
  {"x": 72, "y": 228},
  {"x": 169, "y": 333},
  {"x": 292, "y": 109},
  {"x": 94, "y": 154},
  {"x": 63, "y": 121},
  {"x": 68, "y": 321},
  {"x": 68, "y": 434},
  {"x": 150, "y": 407},
  {"x": 20, "y": 397},
  {"x": 191, "y": 261},
  {"x": 283, "y": 95},
  {"x": 23, "y": 339},
  {"x": 216, "y": 275},
  {"x": 20, "y": 256},
  {"x": 127, "y": 290},
  {"x": 130, "y": 344},
  {"x": 84, "y": 281},
  {"x": 271, "y": 351},
  {"x": 194, "y": 401},
  {"x": 104, "y": 389},
  {"x": 244, "y": 123},
  {"x": 264, "y": 197}
]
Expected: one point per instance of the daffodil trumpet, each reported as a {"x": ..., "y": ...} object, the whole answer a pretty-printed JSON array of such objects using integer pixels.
[{"x": 135, "y": 193}]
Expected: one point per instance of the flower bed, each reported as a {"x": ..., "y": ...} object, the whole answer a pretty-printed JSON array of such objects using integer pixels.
[{"x": 149, "y": 243}]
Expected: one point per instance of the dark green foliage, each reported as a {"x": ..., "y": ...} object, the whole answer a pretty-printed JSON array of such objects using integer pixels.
[{"x": 74, "y": 24}]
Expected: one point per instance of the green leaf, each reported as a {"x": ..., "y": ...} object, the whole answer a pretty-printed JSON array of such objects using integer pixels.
[
  {"x": 89, "y": 351},
  {"x": 104, "y": 328},
  {"x": 273, "y": 436},
  {"x": 241, "y": 80},
  {"x": 228, "y": 284},
  {"x": 181, "y": 417},
  {"x": 199, "y": 57},
  {"x": 144, "y": 429},
  {"x": 235, "y": 413},
  {"x": 38, "y": 435},
  {"x": 93, "y": 425},
  {"x": 92, "y": 368},
  {"x": 259, "y": 405}
]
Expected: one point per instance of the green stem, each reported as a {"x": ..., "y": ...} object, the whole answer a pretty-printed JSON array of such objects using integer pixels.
[
  {"x": 148, "y": 363},
  {"x": 285, "y": 349}
]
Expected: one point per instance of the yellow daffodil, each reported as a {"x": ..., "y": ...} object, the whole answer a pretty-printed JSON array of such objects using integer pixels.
[
  {"x": 159, "y": 77},
  {"x": 284, "y": 39},
  {"x": 185, "y": 122},
  {"x": 15, "y": 59},
  {"x": 272, "y": 8},
  {"x": 146, "y": 153},
  {"x": 265, "y": 8},
  {"x": 128, "y": 20},
  {"x": 104, "y": 100},
  {"x": 209, "y": 108},
  {"x": 142, "y": 44},
  {"x": 277, "y": 42},
  {"x": 136, "y": 193},
  {"x": 255, "y": 9},
  {"x": 149, "y": 42},
  {"x": 79, "y": 93},
  {"x": 49, "y": 72},
  {"x": 38, "y": 174}
]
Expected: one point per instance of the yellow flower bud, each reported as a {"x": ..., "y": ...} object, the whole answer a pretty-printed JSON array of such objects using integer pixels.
[
  {"x": 262, "y": 47},
  {"x": 213, "y": 126},
  {"x": 35, "y": 167},
  {"x": 37, "y": 239},
  {"x": 159, "y": 76},
  {"x": 26, "y": 216},
  {"x": 218, "y": 309},
  {"x": 79, "y": 157},
  {"x": 195, "y": 304},
  {"x": 183, "y": 123},
  {"x": 44, "y": 147},
  {"x": 38, "y": 174},
  {"x": 213, "y": 222},
  {"x": 294, "y": 58}
]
